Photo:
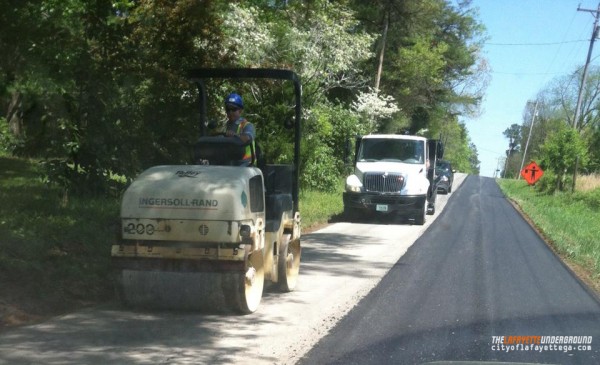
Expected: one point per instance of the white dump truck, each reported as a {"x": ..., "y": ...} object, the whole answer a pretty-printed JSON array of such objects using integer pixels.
[
  {"x": 393, "y": 174},
  {"x": 210, "y": 236}
]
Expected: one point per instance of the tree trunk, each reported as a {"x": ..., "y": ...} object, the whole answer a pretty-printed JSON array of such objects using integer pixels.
[
  {"x": 386, "y": 22},
  {"x": 14, "y": 115}
]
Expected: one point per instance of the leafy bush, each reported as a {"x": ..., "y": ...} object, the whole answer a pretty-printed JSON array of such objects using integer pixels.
[
  {"x": 320, "y": 170},
  {"x": 547, "y": 183},
  {"x": 8, "y": 143},
  {"x": 53, "y": 255},
  {"x": 560, "y": 152},
  {"x": 327, "y": 129},
  {"x": 77, "y": 180}
]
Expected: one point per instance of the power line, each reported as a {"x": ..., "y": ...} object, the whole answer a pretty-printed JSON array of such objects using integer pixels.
[
  {"x": 548, "y": 73},
  {"x": 527, "y": 73},
  {"x": 536, "y": 44},
  {"x": 573, "y": 73},
  {"x": 575, "y": 49}
]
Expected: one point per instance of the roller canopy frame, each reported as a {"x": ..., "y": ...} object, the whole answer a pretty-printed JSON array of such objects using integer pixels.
[{"x": 198, "y": 76}]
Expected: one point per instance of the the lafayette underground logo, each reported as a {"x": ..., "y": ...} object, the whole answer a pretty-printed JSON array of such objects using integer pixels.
[{"x": 541, "y": 343}]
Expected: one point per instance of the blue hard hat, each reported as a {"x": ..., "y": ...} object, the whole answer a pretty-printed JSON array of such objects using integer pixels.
[{"x": 234, "y": 99}]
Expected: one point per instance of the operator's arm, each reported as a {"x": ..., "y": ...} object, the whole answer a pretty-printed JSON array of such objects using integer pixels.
[
  {"x": 246, "y": 135},
  {"x": 245, "y": 138}
]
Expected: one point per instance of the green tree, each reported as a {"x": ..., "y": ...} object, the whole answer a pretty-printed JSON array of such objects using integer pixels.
[
  {"x": 560, "y": 152},
  {"x": 106, "y": 81},
  {"x": 98, "y": 87},
  {"x": 565, "y": 90},
  {"x": 474, "y": 159},
  {"x": 432, "y": 64},
  {"x": 458, "y": 148},
  {"x": 593, "y": 141},
  {"x": 556, "y": 104},
  {"x": 513, "y": 155}
]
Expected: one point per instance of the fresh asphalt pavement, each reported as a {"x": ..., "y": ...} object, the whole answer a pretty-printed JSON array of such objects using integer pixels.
[{"x": 479, "y": 271}]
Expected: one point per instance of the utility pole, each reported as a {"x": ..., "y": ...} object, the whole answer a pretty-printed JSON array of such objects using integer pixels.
[
  {"x": 596, "y": 14},
  {"x": 528, "y": 138},
  {"x": 497, "y": 168},
  {"x": 587, "y": 62}
]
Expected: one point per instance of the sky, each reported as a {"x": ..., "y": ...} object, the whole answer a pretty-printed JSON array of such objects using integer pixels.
[{"x": 530, "y": 43}]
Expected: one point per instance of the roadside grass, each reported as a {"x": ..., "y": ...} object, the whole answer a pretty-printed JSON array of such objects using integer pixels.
[
  {"x": 318, "y": 208},
  {"x": 55, "y": 255},
  {"x": 588, "y": 182},
  {"x": 569, "y": 221}
]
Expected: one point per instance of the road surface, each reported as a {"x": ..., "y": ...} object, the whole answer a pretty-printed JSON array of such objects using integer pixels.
[
  {"x": 480, "y": 271},
  {"x": 341, "y": 264}
]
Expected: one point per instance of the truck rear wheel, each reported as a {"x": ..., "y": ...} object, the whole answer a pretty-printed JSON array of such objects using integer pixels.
[
  {"x": 420, "y": 217},
  {"x": 431, "y": 208},
  {"x": 244, "y": 291},
  {"x": 288, "y": 263}
]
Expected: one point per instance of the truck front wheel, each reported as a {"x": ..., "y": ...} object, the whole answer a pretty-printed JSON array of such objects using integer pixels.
[{"x": 350, "y": 214}]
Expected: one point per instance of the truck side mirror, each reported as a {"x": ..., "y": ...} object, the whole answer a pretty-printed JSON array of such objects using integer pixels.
[
  {"x": 347, "y": 151},
  {"x": 357, "y": 142}
]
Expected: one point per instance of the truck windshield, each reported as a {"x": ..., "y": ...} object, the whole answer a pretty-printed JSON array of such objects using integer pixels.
[{"x": 391, "y": 149}]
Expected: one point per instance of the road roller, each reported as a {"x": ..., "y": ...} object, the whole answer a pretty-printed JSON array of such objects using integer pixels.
[{"x": 212, "y": 235}]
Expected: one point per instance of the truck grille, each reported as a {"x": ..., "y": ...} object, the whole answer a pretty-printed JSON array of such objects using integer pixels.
[{"x": 383, "y": 182}]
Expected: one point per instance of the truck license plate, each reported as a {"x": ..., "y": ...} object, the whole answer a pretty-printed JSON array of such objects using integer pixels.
[{"x": 381, "y": 208}]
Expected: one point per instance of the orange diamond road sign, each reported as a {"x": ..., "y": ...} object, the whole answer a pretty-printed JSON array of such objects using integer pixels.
[{"x": 532, "y": 173}]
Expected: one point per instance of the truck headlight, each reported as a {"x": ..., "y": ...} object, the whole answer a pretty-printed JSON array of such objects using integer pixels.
[{"x": 353, "y": 184}]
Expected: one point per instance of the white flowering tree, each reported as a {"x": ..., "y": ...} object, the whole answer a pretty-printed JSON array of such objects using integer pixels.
[
  {"x": 249, "y": 39},
  {"x": 374, "y": 108},
  {"x": 319, "y": 42}
]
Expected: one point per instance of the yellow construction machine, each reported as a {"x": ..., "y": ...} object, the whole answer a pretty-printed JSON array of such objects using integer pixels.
[{"x": 210, "y": 236}]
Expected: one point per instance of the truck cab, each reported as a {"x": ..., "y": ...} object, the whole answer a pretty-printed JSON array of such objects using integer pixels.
[{"x": 393, "y": 174}]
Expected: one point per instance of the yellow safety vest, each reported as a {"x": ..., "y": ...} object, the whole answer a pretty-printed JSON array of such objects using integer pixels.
[{"x": 248, "y": 153}]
